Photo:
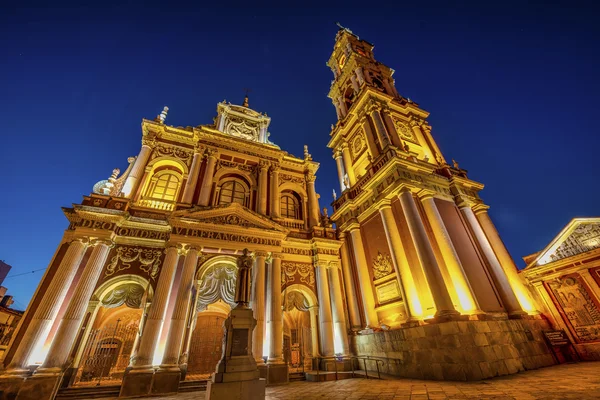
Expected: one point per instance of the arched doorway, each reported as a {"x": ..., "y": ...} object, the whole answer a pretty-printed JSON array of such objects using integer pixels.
[
  {"x": 300, "y": 332},
  {"x": 214, "y": 300},
  {"x": 111, "y": 338}
]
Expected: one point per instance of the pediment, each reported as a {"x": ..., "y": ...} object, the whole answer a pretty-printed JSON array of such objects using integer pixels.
[
  {"x": 228, "y": 214},
  {"x": 579, "y": 236}
]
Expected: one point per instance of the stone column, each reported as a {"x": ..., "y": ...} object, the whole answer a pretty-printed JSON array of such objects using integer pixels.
[
  {"x": 453, "y": 273},
  {"x": 391, "y": 128},
  {"x": 156, "y": 314},
  {"x": 275, "y": 191},
  {"x": 364, "y": 278},
  {"x": 426, "y": 129},
  {"x": 276, "y": 317},
  {"x": 41, "y": 323},
  {"x": 435, "y": 280},
  {"x": 207, "y": 181},
  {"x": 313, "y": 202},
  {"x": 355, "y": 86},
  {"x": 351, "y": 297},
  {"x": 360, "y": 75},
  {"x": 339, "y": 318},
  {"x": 69, "y": 325},
  {"x": 258, "y": 305},
  {"x": 506, "y": 261},
  {"x": 369, "y": 136},
  {"x": 337, "y": 155},
  {"x": 262, "y": 188},
  {"x": 314, "y": 324},
  {"x": 384, "y": 140},
  {"x": 305, "y": 212},
  {"x": 130, "y": 185},
  {"x": 507, "y": 295},
  {"x": 343, "y": 108},
  {"x": 170, "y": 359},
  {"x": 325, "y": 317},
  {"x": 404, "y": 270},
  {"x": 348, "y": 164},
  {"x": 190, "y": 186}
]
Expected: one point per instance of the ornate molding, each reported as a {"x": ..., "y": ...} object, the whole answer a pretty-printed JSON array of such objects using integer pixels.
[
  {"x": 382, "y": 265},
  {"x": 149, "y": 260},
  {"x": 305, "y": 271}
]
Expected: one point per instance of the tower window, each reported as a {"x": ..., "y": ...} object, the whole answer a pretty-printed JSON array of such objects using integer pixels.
[
  {"x": 165, "y": 186},
  {"x": 290, "y": 206},
  {"x": 233, "y": 192}
]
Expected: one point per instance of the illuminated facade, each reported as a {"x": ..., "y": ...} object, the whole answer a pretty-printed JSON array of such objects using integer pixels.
[
  {"x": 137, "y": 291},
  {"x": 565, "y": 277}
]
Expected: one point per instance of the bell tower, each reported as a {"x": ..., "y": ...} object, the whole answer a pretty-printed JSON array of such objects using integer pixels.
[{"x": 372, "y": 115}]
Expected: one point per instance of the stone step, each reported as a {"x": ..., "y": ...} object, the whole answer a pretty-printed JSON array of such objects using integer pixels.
[
  {"x": 88, "y": 392},
  {"x": 192, "y": 386}
]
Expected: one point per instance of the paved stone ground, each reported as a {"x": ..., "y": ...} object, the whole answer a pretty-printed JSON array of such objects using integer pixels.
[{"x": 568, "y": 381}]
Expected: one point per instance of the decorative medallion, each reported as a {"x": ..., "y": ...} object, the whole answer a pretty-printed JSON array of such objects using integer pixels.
[
  {"x": 404, "y": 131},
  {"x": 382, "y": 265},
  {"x": 358, "y": 144},
  {"x": 148, "y": 259},
  {"x": 241, "y": 128}
]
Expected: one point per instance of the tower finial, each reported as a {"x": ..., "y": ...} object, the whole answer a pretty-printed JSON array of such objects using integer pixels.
[
  {"x": 163, "y": 115},
  {"x": 246, "y": 90}
]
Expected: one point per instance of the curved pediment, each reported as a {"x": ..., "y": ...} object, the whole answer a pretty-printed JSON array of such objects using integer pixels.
[{"x": 232, "y": 214}]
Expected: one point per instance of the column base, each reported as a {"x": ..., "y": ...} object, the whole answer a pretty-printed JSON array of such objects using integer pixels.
[
  {"x": 40, "y": 387},
  {"x": 446, "y": 316},
  {"x": 263, "y": 370},
  {"x": 10, "y": 385},
  {"x": 518, "y": 314},
  {"x": 137, "y": 382},
  {"x": 239, "y": 390},
  {"x": 278, "y": 374},
  {"x": 166, "y": 380}
]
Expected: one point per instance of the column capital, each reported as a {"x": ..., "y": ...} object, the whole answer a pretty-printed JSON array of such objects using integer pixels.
[
  {"x": 386, "y": 203},
  {"x": 404, "y": 189},
  {"x": 106, "y": 242},
  {"x": 425, "y": 194},
  {"x": 198, "y": 149},
  {"x": 337, "y": 153},
  {"x": 353, "y": 227},
  {"x": 260, "y": 253},
  {"x": 277, "y": 256},
  {"x": 149, "y": 142},
  {"x": 83, "y": 240},
  {"x": 480, "y": 208},
  {"x": 344, "y": 146},
  {"x": 310, "y": 177},
  {"x": 275, "y": 168},
  {"x": 463, "y": 202},
  {"x": 263, "y": 165},
  {"x": 211, "y": 153}
]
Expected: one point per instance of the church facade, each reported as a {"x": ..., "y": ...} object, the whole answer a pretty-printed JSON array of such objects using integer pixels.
[{"x": 413, "y": 273}]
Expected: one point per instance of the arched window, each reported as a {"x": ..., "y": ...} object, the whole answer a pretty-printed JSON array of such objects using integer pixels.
[
  {"x": 290, "y": 206},
  {"x": 166, "y": 187},
  {"x": 233, "y": 192}
]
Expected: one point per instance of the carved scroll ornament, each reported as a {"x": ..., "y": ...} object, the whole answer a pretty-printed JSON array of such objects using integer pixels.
[
  {"x": 217, "y": 284},
  {"x": 149, "y": 260},
  {"x": 130, "y": 294},
  {"x": 382, "y": 265}
]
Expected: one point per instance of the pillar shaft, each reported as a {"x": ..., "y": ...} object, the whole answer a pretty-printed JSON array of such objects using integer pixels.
[
  {"x": 382, "y": 135},
  {"x": 339, "y": 318},
  {"x": 507, "y": 295},
  {"x": 207, "y": 181},
  {"x": 41, "y": 323},
  {"x": 192, "y": 181},
  {"x": 370, "y": 137},
  {"x": 130, "y": 185},
  {"x": 364, "y": 279},
  {"x": 452, "y": 271},
  {"x": 276, "y": 317},
  {"x": 313, "y": 202},
  {"x": 435, "y": 280},
  {"x": 404, "y": 273},
  {"x": 275, "y": 211},
  {"x": 351, "y": 297},
  {"x": 258, "y": 306},
  {"x": 156, "y": 314},
  {"x": 348, "y": 164},
  {"x": 391, "y": 128},
  {"x": 69, "y": 325},
  {"x": 325, "y": 316},
  {"x": 263, "y": 189},
  {"x": 340, "y": 169},
  {"x": 180, "y": 312},
  {"x": 314, "y": 331},
  {"x": 506, "y": 261}
]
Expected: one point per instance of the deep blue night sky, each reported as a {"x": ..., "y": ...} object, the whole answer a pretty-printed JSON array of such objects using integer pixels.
[{"x": 512, "y": 91}]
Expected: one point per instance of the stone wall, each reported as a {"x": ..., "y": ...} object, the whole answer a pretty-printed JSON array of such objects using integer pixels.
[{"x": 461, "y": 350}]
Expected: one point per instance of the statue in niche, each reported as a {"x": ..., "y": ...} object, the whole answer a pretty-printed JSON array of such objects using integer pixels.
[{"x": 243, "y": 282}]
